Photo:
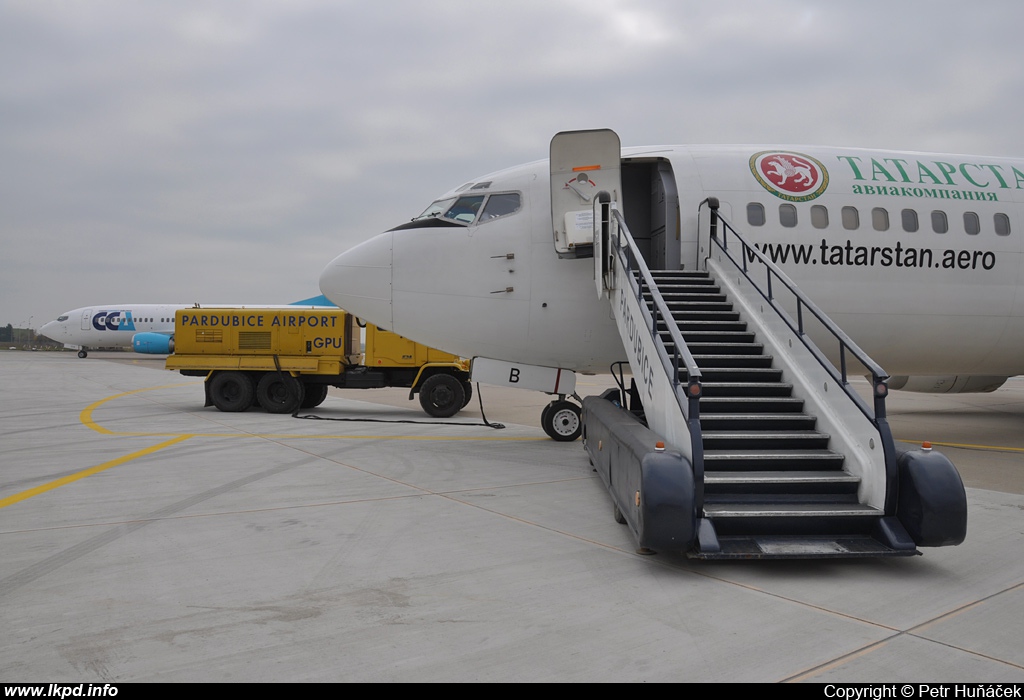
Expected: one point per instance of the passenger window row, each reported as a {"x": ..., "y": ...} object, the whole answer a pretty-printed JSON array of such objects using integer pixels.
[{"x": 850, "y": 219}]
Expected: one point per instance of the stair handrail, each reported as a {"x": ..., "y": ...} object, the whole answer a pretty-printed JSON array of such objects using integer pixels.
[
  {"x": 879, "y": 377},
  {"x": 623, "y": 246}
]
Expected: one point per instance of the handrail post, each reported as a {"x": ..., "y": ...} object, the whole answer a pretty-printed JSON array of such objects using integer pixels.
[
  {"x": 879, "y": 390},
  {"x": 713, "y": 208},
  {"x": 694, "y": 390}
]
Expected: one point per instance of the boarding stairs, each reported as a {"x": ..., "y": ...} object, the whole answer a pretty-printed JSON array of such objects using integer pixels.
[
  {"x": 787, "y": 460},
  {"x": 772, "y": 484}
]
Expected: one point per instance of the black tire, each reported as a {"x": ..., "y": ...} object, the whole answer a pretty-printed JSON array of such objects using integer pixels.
[
  {"x": 83, "y": 354},
  {"x": 467, "y": 388},
  {"x": 442, "y": 395},
  {"x": 544, "y": 415},
  {"x": 231, "y": 392},
  {"x": 562, "y": 421},
  {"x": 617, "y": 514},
  {"x": 315, "y": 395},
  {"x": 280, "y": 393}
]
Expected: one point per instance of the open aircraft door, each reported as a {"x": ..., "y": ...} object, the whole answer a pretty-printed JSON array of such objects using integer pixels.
[{"x": 583, "y": 164}]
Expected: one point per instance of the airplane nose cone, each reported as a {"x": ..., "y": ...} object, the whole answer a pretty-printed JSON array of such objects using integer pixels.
[
  {"x": 50, "y": 330},
  {"x": 359, "y": 280}
]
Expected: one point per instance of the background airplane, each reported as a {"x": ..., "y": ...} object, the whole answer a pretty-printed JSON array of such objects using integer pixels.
[{"x": 145, "y": 328}]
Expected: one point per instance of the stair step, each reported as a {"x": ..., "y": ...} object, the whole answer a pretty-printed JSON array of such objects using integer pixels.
[
  {"x": 719, "y": 375},
  {"x": 752, "y": 404},
  {"x": 801, "y": 547},
  {"x": 703, "y": 316},
  {"x": 710, "y": 336},
  {"x": 790, "y": 477},
  {"x": 697, "y": 313},
  {"x": 778, "y": 483},
  {"x": 698, "y": 348},
  {"x": 732, "y": 361},
  {"x": 679, "y": 274},
  {"x": 736, "y": 389},
  {"x": 686, "y": 327},
  {"x": 686, "y": 295},
  {"x": 834, "y": 499},
  {"x": 701, "y": 290},
  {"x": 682, "y": 295},
  {"x": 716, "y": 460},
  {"x": 764, "y": 439},
  {"x": 678, "y": 300},
  {"x": 694, "y": 285},
  {"x": 756, "y": 421},
  {"x": 808, "y": 518},
  {"x": 721, "y": 511}
]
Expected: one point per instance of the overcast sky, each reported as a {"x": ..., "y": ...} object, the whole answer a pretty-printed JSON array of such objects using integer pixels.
[{"x": 223, "y": 152}]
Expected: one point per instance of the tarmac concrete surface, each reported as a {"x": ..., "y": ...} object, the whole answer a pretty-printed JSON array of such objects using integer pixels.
[{"x": 146, "y": 538}]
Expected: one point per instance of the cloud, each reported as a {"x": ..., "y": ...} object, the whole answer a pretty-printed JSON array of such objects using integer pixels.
[{"x": 194, "y": 150}]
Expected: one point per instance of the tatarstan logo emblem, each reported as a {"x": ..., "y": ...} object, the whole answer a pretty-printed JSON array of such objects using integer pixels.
[{"x": 794, "y": 177}]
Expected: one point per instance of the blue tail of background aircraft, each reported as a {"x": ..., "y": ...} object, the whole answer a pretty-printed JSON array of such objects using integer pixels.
[{"x": 313, "y": 301}]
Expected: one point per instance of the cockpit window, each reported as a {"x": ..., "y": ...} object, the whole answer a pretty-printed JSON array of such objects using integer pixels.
[
  {"x": 461, "y": 209},
  {"x": 62, "y": 318},
  {"x": 436, "y": 209},
  {"x": 500, "y": 205},
  {"x": 466, "y": 209}
]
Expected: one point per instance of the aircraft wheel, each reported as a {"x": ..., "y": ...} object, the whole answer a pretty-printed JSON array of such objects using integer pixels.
[
  {"x": 315, "y": 395},
  {"x": 231, "y": 392},
  {"x": 617, "y": 514},
  {"x": 562, "y": 421},
  {"x": 83, "y": 354},
  {"x": 442, "y": 395},
  {"x": 544, "y": 416},
  {"x": 280, "y": 393},
  {"x": 467, "y": 388}
]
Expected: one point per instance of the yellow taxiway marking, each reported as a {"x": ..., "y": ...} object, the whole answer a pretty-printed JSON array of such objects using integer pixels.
[
  {"x": 86, "y": 417},
  {"x": 50, "y": 486}
]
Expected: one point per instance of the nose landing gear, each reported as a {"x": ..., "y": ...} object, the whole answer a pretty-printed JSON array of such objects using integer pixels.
[{"x": 562, "y": 420}]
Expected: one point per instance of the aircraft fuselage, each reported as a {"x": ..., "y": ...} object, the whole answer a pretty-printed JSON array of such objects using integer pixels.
[
  {"x": 916, "y": 256},
  {"x": 111, "y": 325}
]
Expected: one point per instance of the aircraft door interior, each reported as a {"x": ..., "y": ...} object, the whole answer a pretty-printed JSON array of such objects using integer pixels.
[{"x": 651, "y": 208}]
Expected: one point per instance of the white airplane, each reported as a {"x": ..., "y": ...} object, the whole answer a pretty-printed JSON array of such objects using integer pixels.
[
  {"x": 918, "y": 257},
  {"x": 146, "y": 328},
  {"x": 753, "y": 443},
  {"x": 151, "y": 326}
]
